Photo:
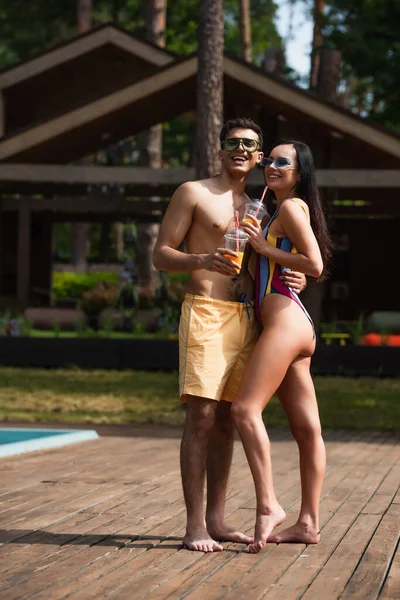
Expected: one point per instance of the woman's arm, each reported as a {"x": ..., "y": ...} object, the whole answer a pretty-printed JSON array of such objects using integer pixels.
[{"x": 295, "y": 224}]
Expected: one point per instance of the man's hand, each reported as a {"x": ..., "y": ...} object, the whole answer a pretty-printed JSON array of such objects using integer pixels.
[
  {"x": 220, "y": 262},
  {"x": 295, "y": 280}
]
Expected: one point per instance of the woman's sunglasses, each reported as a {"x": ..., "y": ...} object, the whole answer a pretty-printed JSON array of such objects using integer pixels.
[
  {"x": 280, "y": 162},
  {"x": 231, "y": 144}
]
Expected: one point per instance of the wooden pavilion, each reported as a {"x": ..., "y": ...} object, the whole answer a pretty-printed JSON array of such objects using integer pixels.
[{"x": 106, "y": 85}]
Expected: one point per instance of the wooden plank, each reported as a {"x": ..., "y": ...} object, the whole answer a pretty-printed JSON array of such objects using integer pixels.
[
  {"x": 124, "y": 537},
  {"x": 391, "y": 588},
  {"x": 330, "y": 581},
  {"x": 338, "y": 512},
  {"x": 93, "y": 175},
  {"x": 96, "y": 175},
  {"x": 385, "y": 494},
  {"x": 370, "y": 575},
  {"x": 84, "y": 205}
]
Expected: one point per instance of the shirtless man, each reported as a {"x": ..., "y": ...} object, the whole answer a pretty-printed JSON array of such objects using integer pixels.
[{"x": 216, "y": 331}]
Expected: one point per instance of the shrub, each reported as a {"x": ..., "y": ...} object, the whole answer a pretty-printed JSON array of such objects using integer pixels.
[
  {"x": 72, "y": 285},
  {"x": 102, "y": 296}
]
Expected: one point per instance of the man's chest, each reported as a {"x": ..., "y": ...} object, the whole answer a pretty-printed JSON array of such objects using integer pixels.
[{"x": 218, "y": 219}]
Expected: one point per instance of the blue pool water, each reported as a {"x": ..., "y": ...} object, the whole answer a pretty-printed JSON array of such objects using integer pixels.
[{"x": 18, "y": 440}]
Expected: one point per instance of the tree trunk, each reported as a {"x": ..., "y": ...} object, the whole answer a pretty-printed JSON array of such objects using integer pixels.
[
  {"x": 85, "y": 8},
  {"x": 274, "y": 60},
  {"x": 245, "y": 29},
  {"x": 328, "y": 73},
  {"x": 319, "y": 6},
  {"x": 151, "y": 156},
  {"x": 209, "y": 87},
  {"x": 80, "y": 231}
]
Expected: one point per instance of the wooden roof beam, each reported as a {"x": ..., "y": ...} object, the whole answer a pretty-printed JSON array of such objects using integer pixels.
[
  {"x": 313, "y": 107},
  {"x": 82, "y": 45},
  {"x": 109, "y": 104},
  {"x": 152, "y": 178}
]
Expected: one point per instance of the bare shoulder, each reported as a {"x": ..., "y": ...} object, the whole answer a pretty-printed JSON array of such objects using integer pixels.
[
  {"x": 293, "y": 206},
  {"x": 191, "y": 191}
]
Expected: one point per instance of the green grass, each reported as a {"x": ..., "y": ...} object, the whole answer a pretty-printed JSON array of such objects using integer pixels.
[
  {"x": 47, "y": 333},
  {"x": 100, "y": 396}
]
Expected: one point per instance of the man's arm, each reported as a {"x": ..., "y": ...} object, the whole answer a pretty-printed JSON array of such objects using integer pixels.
[{"x": 176, "y": 223}]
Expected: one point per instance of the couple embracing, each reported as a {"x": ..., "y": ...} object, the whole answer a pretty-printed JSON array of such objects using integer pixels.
[{"x": 245, "y": 335}]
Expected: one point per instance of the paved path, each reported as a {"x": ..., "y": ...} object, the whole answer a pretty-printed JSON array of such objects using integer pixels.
[{"x": 105, "y": 519}]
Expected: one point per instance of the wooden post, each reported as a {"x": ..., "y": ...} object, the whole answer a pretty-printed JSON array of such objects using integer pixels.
[
  {"x": 23, "y": 253},
  {"x": 2, "y": 115},
  {"x": 245, "y": 29}
]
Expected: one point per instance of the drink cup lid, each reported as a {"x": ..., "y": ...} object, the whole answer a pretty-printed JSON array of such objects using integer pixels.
[
  {"x": 257, "y": 204},
  {"x": 236, "y": 233}
]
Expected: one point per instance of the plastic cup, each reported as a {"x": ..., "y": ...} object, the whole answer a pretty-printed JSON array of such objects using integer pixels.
[
  {"x": 256, "y": 209},
  {"x": 236, "y": 239}
]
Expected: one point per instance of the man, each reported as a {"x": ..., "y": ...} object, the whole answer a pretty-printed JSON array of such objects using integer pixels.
[{"x": 216, "y": 331}]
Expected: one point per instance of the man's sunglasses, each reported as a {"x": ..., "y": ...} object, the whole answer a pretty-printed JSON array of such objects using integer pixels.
[
  {"x": 231, "y": 144},
  {"x": 280, "y": 162}
]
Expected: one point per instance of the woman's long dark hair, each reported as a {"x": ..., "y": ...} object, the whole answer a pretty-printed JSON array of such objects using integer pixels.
[{"x": 307, "y": 190}]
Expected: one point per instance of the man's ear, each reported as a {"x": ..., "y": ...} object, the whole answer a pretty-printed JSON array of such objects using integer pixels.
[
  {"x": 260, "y": 157},
  {"x": 220, "y": 154}
]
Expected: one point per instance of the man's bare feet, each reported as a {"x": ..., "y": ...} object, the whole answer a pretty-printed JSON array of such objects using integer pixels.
[
  {"x": 201, "y": 541},
  {"x": 228, "y": 534},
  {"x": 300, "y": 533},
  {"x": 265, "y": 523}
]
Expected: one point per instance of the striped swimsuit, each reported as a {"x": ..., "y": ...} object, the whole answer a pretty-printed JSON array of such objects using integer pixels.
[{"x": 268, "y": 272}]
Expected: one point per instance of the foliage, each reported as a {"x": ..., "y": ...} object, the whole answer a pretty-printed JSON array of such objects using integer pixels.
[
  {"x": 263, "y": 30},
  {"x": 107, "y": 396},
  {"x": 72, "y": 285},
  {"x": 102, "y": 296},
  {"x": 367, "y": 34}
]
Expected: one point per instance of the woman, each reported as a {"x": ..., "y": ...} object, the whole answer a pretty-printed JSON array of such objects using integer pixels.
[{"x": 295, "y": 238}]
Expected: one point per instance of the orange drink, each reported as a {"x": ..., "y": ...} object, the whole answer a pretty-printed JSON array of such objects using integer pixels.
[
  {"x": 256, "y": 209},
  {"x": 236, "y": 259},
  {"x": 247, "y": 220},
  {"x": 236, "y": 240}
]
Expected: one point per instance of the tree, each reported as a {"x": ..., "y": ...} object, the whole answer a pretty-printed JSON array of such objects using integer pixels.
[
  {"x": 318, "y": 12},
  {"x": 245, "y": 29},
  {"x": 151, "y": 156},
  {"x": 209, "y": 87},
  {"x": 367, "y": 34}
]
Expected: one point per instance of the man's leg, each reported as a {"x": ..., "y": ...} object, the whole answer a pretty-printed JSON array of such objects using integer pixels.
[
  {"x": 219, "y": 459},
  {"x": 200, "y": 420}
]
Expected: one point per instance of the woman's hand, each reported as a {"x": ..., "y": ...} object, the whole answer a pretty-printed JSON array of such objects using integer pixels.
[
  {"x": 256, "y": 236},
  {"x": 294, "y": 280}
]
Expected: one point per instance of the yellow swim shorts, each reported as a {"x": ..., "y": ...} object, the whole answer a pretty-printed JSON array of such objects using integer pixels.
[{"x": 216, "y": 338}]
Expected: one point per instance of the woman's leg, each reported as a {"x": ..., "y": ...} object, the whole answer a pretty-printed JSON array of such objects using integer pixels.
[
  {"x": 283, "y": 337},
  {"x": 297, "y": 395}
]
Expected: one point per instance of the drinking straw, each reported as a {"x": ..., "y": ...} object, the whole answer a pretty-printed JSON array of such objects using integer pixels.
[
  {"x": 237, "y": 230},
  {"x": 261, "y": 199}
]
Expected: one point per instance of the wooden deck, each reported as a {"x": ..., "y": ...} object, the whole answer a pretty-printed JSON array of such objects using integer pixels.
[{"x": 105, "y": 518}]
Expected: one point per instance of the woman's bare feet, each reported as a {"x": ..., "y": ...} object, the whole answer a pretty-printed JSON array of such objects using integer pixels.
[
  {"x": 265, "y": 523},
  {"x": 227, "y": 534},
  {"x": 201, "y": 541},
  {"x": 300, "y": 533}
]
